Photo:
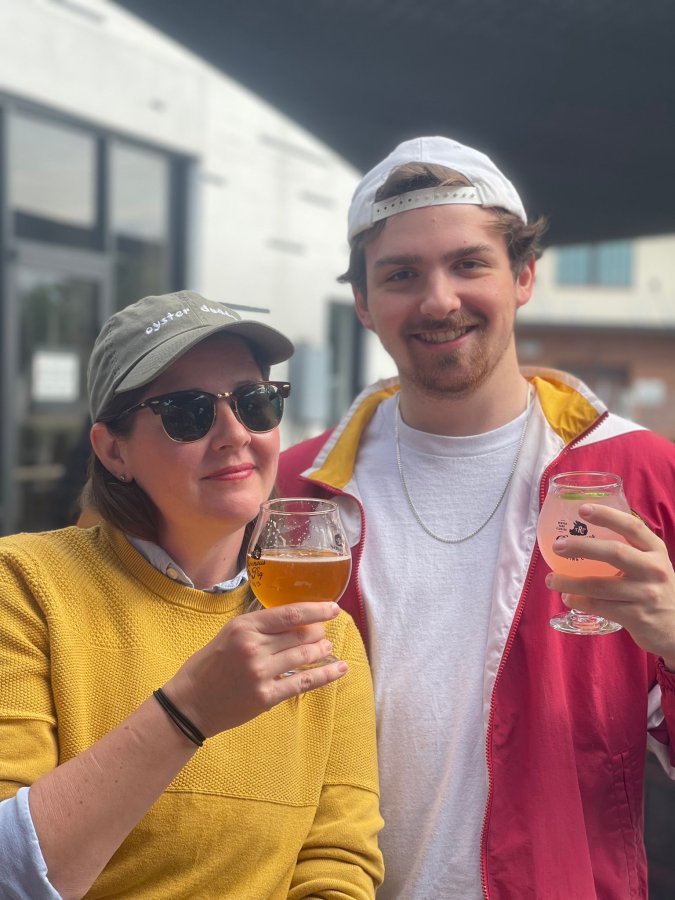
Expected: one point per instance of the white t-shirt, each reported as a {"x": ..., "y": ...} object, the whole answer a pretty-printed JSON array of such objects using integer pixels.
[{"x": 428, "y": 606}]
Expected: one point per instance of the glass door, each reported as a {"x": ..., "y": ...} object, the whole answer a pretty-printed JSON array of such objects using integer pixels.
[
  {"x": 89, "y": 222},
  {"x": 59, "y": 302}
]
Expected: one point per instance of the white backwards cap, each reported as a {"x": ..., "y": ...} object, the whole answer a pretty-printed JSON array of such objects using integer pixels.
[{"x": 488, "y": 186}]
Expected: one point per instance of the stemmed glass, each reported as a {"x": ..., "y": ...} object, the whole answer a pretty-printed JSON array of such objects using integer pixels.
[
  {"x": 560, "y": 516},
  {"x": 298, "y": 552}
]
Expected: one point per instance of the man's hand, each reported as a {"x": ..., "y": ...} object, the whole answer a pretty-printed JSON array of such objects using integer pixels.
[{"x": 642, "y": 597}]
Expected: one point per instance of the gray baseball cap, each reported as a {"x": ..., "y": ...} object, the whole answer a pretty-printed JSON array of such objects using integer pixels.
[{"x": 140, "y": 341}]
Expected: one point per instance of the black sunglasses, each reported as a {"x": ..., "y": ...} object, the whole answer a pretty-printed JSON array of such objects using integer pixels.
[{"x": 189, "y": 415}]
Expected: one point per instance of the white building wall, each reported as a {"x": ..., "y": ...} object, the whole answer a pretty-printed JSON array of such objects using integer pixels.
[
  {"x": 649, "y": 302},
  {"x": 92, "y": 60},
  {"x": 268, "y": 201}
]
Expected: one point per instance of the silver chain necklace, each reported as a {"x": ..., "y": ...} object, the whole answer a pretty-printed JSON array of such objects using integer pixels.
[{"x": 432, "y": 534}]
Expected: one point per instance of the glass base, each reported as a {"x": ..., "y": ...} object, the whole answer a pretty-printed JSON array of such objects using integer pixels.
[
  {"x": 575, "y": 622},
  {"x": 315, "y": 665},
  {"x": 319, "y": 663}
]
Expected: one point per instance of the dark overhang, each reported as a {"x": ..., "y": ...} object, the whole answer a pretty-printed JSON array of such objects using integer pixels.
[{"x": 575, "y": 99}]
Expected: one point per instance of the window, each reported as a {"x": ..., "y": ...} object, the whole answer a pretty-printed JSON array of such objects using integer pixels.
[
  {"x": 52, "y": 184},
  {"x": 73, "y": 187},
  {"x": 346, "y": 342},
  {"x": 607, "y": 264},
  {"x": 140, "y": 211}
]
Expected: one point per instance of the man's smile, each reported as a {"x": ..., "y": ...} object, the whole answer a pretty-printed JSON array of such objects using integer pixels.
[{"x": 441, "y": 337}]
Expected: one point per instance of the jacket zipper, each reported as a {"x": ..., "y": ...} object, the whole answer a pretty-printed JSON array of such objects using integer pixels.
[{"x": 507, "y": 649}]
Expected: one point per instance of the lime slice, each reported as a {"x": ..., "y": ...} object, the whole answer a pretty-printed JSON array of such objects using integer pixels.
[{"x": 582, "y": 495}]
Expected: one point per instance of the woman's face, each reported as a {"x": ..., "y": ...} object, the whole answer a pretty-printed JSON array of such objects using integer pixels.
[{"x": 213, "y": 485}]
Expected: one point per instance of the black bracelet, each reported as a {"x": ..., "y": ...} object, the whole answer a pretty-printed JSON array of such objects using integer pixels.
[{"x": 182, "y": 722}]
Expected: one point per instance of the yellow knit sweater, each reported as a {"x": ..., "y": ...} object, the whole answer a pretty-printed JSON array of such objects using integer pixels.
[{"x": 283, "y": 806}]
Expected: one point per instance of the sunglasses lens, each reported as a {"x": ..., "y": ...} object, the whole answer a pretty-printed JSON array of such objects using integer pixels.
[
  {"x": 187, "y": 418},
  {"x": 260, "y": 407}
]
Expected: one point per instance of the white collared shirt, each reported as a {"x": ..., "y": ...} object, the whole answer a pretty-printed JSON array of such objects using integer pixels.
[{"x": 161, "y": 560}]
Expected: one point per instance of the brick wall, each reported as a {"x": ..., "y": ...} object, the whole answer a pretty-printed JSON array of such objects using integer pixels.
[{"x": 614, "y": 363}]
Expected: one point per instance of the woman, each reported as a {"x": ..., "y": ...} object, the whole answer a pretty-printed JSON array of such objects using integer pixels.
[{"x": 109, "y": 789}]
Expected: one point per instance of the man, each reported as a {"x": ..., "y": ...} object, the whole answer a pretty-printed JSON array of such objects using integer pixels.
[{"x": 512, "y": 755}]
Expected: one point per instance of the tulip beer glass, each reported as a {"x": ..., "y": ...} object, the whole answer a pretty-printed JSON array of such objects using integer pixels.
[
  {"x": 298, "y": 551},
  {"x": 560, "y": 516}
]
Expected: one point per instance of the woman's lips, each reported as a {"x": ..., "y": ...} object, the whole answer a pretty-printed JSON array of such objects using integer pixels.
[{"x": 232, "y": 473}]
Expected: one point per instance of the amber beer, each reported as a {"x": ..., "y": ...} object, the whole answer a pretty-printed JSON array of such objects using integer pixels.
[{"x": 280, "y": 576}]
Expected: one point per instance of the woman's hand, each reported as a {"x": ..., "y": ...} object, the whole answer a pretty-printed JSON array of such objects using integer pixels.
[
  {"x": 642, "y": 597},
  {"x": 240, "y": 673}
]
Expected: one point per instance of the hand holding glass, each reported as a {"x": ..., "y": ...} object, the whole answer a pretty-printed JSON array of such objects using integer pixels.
[
  {"x": 560, "y": 516},
  {"x": 298, "y": 552}
]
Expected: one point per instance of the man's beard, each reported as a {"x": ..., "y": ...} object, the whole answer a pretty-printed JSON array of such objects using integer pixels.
[
  {"x": 454, "y": 374},
  {"x": 439, "y": 381}
]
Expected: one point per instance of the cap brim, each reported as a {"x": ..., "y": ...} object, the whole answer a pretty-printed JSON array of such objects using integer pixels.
[{"x": 269, "y": 345}]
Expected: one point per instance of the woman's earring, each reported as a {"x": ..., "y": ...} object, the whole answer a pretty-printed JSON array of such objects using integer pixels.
[{"x": 123, "y": 477}]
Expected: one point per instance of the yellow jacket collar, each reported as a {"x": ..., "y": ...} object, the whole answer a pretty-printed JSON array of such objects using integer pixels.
[{"x": 568, "y": 405}]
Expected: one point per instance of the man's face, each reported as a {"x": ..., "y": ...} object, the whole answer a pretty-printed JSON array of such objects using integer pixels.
[{"x": 442, "y": 298}]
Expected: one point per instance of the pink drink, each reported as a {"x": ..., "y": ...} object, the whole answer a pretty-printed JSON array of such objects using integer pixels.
[{"x": 560, "y": 516}]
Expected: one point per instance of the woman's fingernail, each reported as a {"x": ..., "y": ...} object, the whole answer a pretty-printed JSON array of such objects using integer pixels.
[
  {"x": 565, "y": 599},
  {"x": 560, "y": 543},
  {"x": 342, "y": 667},
  {"x": 586, "y": 509},
  {"x": 549, "y": 579}
]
